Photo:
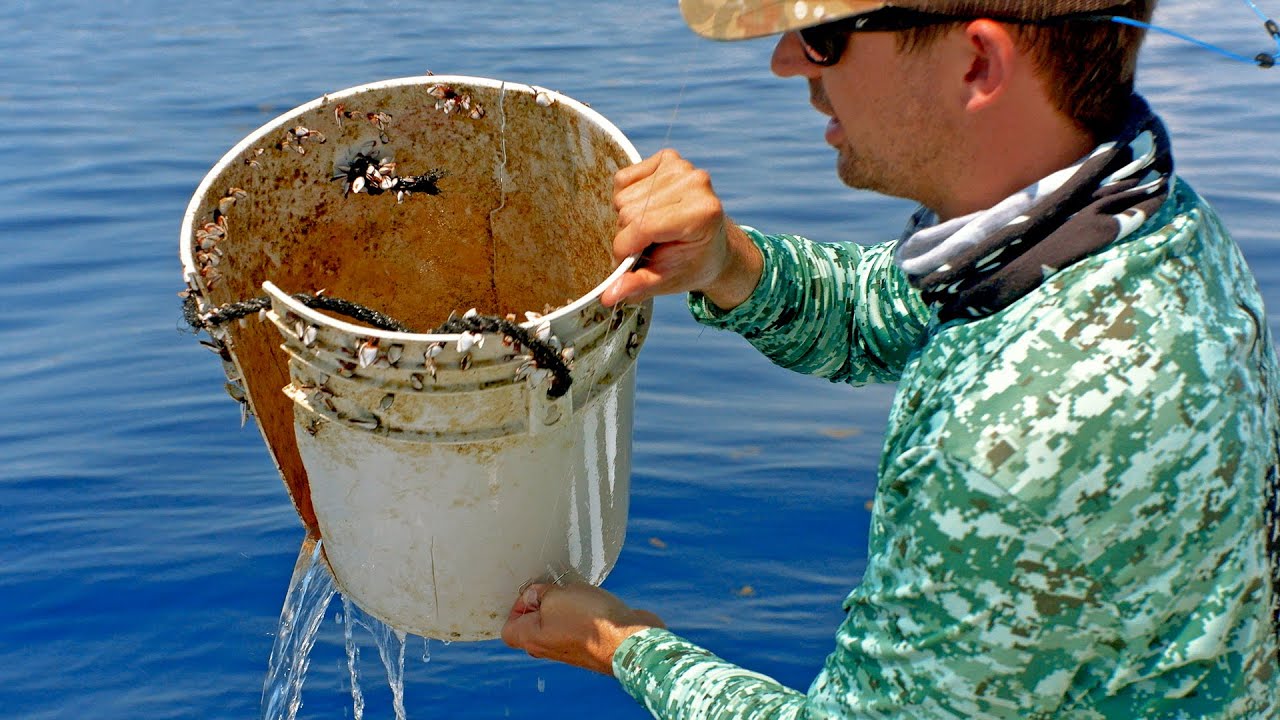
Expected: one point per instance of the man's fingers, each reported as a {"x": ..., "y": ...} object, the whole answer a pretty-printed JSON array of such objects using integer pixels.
[
  {"x": 642, "y": 284},
  {"x": 515, "y": 632},
  {"x": 529, "y": 601},
  {"x": 659, "y": 227},
  {"x": 632, "y": 174},
  {"x": 633, "y": 286},
  {"x": 629, "y": 241},
  {"x": 524, "y": 617}
]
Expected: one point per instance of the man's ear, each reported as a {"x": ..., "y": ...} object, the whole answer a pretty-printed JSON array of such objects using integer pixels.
[{"x": 993, "y": 58}]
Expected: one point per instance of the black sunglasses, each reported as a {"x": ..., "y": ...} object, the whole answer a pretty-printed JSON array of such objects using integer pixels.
[{"x": 825, "y": 43}]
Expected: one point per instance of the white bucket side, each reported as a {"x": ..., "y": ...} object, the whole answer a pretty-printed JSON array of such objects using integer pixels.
[{"x": 461, "y": 527}]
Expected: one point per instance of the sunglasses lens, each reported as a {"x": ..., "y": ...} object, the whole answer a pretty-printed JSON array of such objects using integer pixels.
[{"x": 822, "y": 44}]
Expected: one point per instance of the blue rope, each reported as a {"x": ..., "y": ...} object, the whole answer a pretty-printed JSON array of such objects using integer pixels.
[
  {"x": 1182, "y": 36},
  {"x": 1264, "y": 60},
  {"x": 1259, "y": 13}
]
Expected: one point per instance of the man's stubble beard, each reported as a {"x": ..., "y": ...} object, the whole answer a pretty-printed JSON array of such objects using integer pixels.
[{"x": 905, "y": 166}]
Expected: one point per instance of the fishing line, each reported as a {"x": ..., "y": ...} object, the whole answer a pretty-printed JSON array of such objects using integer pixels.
[
  {"x": 557, "y": 573},
  {"x": 666, "y": 139},
  {"x": 1262, "y": 59}
]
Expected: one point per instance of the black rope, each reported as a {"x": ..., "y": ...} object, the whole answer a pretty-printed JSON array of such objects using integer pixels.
[
  {"x": 545, "y": 356},
  {"x": 234, "y": 311}
]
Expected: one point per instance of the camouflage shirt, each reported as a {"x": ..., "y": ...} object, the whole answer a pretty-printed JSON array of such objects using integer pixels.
[{"x": 1069, "y": 517}]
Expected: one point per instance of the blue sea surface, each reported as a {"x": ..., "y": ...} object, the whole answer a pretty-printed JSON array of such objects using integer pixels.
[{"x": 146, "y": 541}]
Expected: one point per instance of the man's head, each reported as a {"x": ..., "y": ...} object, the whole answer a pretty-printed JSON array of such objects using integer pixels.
[
  {"x": 1088, "y": 65},
  {"x": 1087, "y": 62},
  {"x": 958, "y": 100}
]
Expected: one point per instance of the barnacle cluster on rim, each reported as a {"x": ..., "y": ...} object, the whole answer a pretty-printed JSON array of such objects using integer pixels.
[{"x": 207, "y": 253}]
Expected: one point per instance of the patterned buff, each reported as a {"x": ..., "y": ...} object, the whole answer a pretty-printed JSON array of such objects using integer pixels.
[{"x": 977, "y": 265}]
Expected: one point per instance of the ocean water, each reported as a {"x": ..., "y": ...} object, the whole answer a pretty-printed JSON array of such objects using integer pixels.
[{"x": 146, "y": 541}]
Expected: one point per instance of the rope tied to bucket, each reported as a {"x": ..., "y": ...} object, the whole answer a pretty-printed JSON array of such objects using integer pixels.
[
  {"x": 543, "y": 352},
  {"x": 244, "y": 308}
]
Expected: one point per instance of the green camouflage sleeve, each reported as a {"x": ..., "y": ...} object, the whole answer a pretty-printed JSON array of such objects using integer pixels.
[
  {"x": 839, "y": 311},
  {"x": 987, "y": 617},
  {"x": 674, "y": 678}
]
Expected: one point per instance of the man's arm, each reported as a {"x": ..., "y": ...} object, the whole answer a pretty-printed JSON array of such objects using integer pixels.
[
  {"x": 989, "y": 617},
  {"x": 839, "y": 311}
]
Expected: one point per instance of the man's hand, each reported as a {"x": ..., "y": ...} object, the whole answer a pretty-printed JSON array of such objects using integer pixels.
[
  {"x": 577, "y": 623},
  {"x": 668, "y": 211}
]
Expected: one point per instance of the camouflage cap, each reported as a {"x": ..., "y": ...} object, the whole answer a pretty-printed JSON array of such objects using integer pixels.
[{"x": 742, "y": 19}]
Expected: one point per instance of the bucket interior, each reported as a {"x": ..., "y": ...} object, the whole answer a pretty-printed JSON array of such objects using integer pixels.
[{"x": 523, "y": 220}]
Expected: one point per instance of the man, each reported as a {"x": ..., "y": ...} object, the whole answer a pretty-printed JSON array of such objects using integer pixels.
[{"x": 1072, "y": 511}]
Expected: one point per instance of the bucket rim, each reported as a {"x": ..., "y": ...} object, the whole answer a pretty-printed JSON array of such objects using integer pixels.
[
  {"x": 317, "y": 318},
  {"x": 186, "y": 252}
]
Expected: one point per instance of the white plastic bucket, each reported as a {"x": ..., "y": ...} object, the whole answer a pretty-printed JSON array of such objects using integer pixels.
[{"x": 440, "y": 477}]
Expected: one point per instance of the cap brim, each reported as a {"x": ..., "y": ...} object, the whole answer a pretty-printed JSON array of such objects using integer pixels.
[{"x": 743, "y": 19}]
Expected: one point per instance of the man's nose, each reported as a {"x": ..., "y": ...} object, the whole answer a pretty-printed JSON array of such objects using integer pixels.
[{"x": 789, "y": 59}]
